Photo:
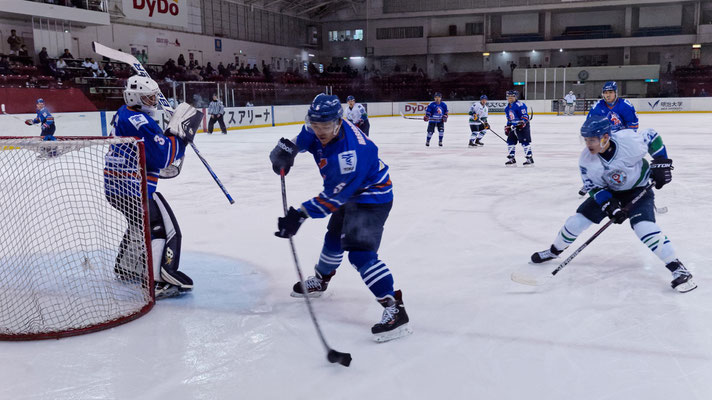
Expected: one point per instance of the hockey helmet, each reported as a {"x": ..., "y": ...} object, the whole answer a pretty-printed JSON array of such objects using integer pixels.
[
  {"x": 596, "y": 126},
  {"x": 484, "y": 97},
  {"x": 438, "y": 94},
  {"x": 513, "y": 93},
  {"x": 40, "y": 101},
  {"x": 142, "y": 92},
  {"x": 351, "y": 98},
  {"x": 610, "y": 85},
  {"x": 324, "y": 108}
]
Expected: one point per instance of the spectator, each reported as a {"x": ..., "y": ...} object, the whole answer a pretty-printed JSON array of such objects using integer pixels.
[
  {"x": 23, "y": 51},
  {"x": 143, "y": 57},
  {"x": 15, "y": 42},
  {"x": 703, "y": 93},
  {"x": 414, "y": 68},
  {"x": 5, "y": 65},
  {"x": 209, "y": 69},
  {"x": 67, "y": 54},
  {"x": 44, "y": 57},
  {"x": 221, "y": 69},
  {"x": 397, "y": 68},
  {"x": 181, "y": 60},
  {"x": 499, "y": 69},
  {"x": 445, "y": 69},
  {"x": 242, "y": 70},
  {"x": 669, "y": 67},
  {"x": 61, "y": 65}
]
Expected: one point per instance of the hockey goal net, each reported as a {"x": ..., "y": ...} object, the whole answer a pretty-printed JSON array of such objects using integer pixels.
[
  {"x": 74, "y": 256},
  {"x": 580, "y": 107}
]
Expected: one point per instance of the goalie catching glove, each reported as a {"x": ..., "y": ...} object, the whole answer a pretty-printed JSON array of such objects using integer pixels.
[
  {"x": 185, "y": 122},
  {"x": 661, "y": 171}
]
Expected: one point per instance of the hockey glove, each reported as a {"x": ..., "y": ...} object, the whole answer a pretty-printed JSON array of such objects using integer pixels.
[
  {"x": 282, "y": 156},
  {"x": 521, "y": 124},
  {"x": 614, "y": 211},
  {"x": 426, "y": 118},
  {"x": 28, "y": 122},
  {"x": 445, "y": 118},
  {"x": 289, "y": 224},
  {"x": 185, "y": 122},
  {"x": 487, "y": 125},
  {"x": 661, "y": 171}
]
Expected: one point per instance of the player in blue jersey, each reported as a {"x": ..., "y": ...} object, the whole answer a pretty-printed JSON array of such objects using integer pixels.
[
  {"x": 517, "y": 129},
  {"x": 122, "y": 183},
  {"x": 619, "y": 111},
  {"x": 614, "y": 171},
  {"x": 358, "y": 196},
  {"x": 436, "y": 116},
  {"x": 45, "y": 118}
]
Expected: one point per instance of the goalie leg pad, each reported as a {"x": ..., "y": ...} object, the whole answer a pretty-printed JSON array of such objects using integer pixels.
[{"x": 166, "y": 244}]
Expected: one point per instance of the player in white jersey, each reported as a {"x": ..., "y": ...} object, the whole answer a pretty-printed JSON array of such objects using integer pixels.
[
  {"x": 614, "y": 171},
  {"x": 478, "y": 121},
  {"x": 356, "y": 113},
  {"x": 570, "y": 100}
]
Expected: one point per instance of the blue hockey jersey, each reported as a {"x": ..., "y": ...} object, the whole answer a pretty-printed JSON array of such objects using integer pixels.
[
  {"x": 515, "y": 112},
  {"x": 350, "y": 168},
  {"x": 120, "y": 175},
  {"x": 43, "y": 117},
  {"x": 621, "y": 114},
  {"x": 435, "y": 112}
]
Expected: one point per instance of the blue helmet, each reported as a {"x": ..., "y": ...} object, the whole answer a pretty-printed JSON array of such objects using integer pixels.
[
  {"x": 40, "y": 101},
  {"x": 484, "y": 97},
  {"x": 438, "y": 94},
  {"x": 596, "y": 126},
  {"x": 324, "y": 108},
  {"x": 610, "y": 85},
  {"x": 351, "y": 98},
  {"x": 513, "y": 93}
]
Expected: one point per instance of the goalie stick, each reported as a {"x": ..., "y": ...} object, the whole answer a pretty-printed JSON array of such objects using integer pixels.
[
  {"x": 332, "y": 355},
  {"x": 533, "y": 281},
  {"x": 10, "y": 115},
  {"x": 136, "y": 65}
]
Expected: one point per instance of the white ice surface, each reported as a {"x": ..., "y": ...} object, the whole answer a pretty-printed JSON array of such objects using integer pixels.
[{"x": 607, "y": 327}]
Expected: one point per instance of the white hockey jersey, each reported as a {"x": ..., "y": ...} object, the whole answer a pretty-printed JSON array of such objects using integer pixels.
[
  {"x": 478, "y": 109},
  {"x": 570, "y": 98},
  {"x": 356, "y": 114},
  {"x": 627, "y": 169}
]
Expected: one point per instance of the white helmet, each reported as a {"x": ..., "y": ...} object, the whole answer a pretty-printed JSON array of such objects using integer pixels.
[
  {"x": 571, "y": 92},
  {"x": 141, "y": 92}
]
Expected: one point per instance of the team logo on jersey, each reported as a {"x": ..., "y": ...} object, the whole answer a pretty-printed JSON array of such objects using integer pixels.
[
  {"x": 618, "y": 177},
  {"x": 138, "y": 120},
  {"x": 347, "y": 162},
  {"x": 615, "y": 119},
  {"x": 322, "y": 163}
]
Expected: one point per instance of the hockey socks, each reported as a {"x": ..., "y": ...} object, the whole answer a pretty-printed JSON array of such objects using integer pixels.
[
  {"x": 572, "y": 228},
  {"x": 374, "y": 272},
  {"x": 649, "y": 233},
  {"x": 331, "y": 255},
  {"x": 512, "y": 149},
  {"x": 527, "y": 150}
]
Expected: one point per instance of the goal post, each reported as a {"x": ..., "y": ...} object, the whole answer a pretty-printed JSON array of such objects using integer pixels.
[
  {"x": 581, "y": 106},
  {"x": 75, "y": 248}
]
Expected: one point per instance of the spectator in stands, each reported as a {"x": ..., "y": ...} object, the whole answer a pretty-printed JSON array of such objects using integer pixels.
[
  {"x": 143, "y": 57},
  {"x": 242, "y": 70},
  {"x": 397, "y": 68},
  {"x": 5, "y": 65},
  {"x": 23, "y": 51},
  {"x": 499, "y": 69},
  {"x": 445, "y": 69},
  {"x": 221, "y": 69},
  {"x": 61, "y": 66},
  {"x": 181, "y": 60},
  {"x": 703, "y": 93},
  {"x": 15, "y": 42},
  {"x": 414, "y": 68},
  {"x": 44, "y": 57},
  {"x": 209, "y": 69},
  {"x": 255, "y": 71},
  {"x": 66, "y": 54},
  {"x": 669, "y": 67}
]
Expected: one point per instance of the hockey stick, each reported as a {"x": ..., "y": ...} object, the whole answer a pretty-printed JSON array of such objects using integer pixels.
[
  {"x": 332, "y": 355},
  {"x": 2, "y": 106},
  {"x": 533, "y": 281},
  {"x": 496, "y": 134},
  {"x": 136, "y": 65},
  {"x": 409, "y": 117}
]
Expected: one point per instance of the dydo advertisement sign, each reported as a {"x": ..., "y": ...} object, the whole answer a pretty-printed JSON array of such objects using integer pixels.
[{"x": 168, "y": 12}]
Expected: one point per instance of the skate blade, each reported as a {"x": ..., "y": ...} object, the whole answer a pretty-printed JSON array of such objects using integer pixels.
[
  {"x": 403, "y": 330},
  {"x": 511, "y": 165},
  {"x": 312, "y": 295},
  {"x": 686, "y": 287},
  {"x": 528, "y": 165},
  {"x": 173, "y": 291}
]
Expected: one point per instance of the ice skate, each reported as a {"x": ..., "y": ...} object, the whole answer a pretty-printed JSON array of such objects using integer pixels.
[
  {"x": 394, "y": 323},
  {"x": 166, "y": 290},
  {"x": 427, "y": 143},
  {"x": 546, "y": 255},
  {"x": 471, "y": 144},
  {"x": 479, "y": 143},
  {"x": 440, "y": 143},
  {"x": 316, "y": 285},
  {"x": 681, "y": 277},
  {"x": 529, "y": 162},
  {"x": 511, "y": 162}
]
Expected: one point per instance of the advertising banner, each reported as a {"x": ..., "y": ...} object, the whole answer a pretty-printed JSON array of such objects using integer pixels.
[{"x": 167, "y": 12}]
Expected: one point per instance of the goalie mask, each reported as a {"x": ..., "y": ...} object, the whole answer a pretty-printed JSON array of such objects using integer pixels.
[{"x": 142, "y": 93}]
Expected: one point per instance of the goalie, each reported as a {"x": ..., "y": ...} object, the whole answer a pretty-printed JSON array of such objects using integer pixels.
[{"x": 123, "y": 184}]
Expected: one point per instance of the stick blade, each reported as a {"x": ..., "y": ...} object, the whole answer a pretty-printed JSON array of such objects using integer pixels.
[
  {"x": 337, "y": 357},
  {"x": 529, "y": 279}
]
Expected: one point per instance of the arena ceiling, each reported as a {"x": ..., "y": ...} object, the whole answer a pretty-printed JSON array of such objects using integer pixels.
[{"x": 313, "y": 9}]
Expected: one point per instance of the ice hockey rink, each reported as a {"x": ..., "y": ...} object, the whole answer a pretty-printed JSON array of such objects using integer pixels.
[{"x": 607, "y": 327}]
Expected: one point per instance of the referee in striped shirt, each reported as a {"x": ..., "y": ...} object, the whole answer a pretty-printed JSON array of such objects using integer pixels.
[{"x": 216, "y": 111}]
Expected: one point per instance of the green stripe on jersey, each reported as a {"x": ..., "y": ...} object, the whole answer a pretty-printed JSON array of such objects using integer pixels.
[
  {"x": 656, "y": 145},
  {"x": 643, "y": 172}
]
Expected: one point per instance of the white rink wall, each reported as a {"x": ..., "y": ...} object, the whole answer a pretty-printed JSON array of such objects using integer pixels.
[{"x": 97, "y": 123}]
